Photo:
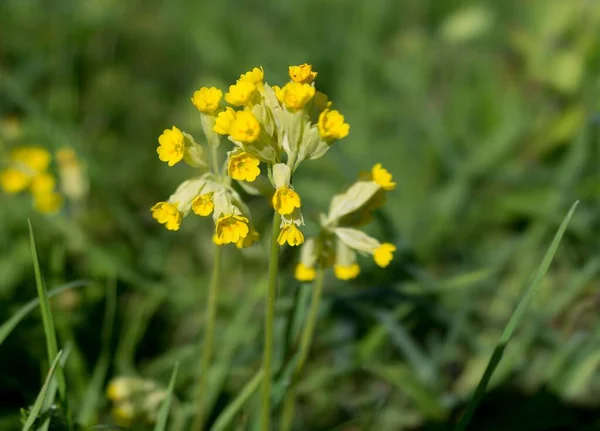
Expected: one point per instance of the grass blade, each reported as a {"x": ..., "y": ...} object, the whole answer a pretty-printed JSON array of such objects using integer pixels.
[
  {"x": 7, "y": 327},
  {"x": 94, "y": 389},
  {"x": 39, "y": 401},
  {"x": 232, "y": 409},
  {"x": 163, "y": 413},
  {"x": 513, "y": 322},
  {"x": 49, "y": 330}
]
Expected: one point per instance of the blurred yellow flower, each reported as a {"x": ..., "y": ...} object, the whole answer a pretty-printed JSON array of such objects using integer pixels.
[
  {"x": 252, "y": 237},
  {"x": 35, "y": 158},
  {"x": 296, "y": 95},
  {"x": 172, "y": 148},
  {"x": 278, "y": 93},
  {"x": 203, "y": 205},
  {"x": 382, "y": 177},
  {"x": 383, "y": 254},
  {"x": 245, "y": 128},
  {"x": 207, "y": 100},
  {"x": 124, "y": 413},
  {"x": 216, "y": 240},
  {"x": 290, "y": 234},
  {"x": 241, "y": 93},
  {"x": 231, "y": 228},
  {"x": 302, "y": 74},
  {"x": 285, "y": 200},
  {"x": 14, "y": 180},
  {"x": 304, "y": 273},
  {"x": 243, "y": 166},
  {"x": 47, "y": 203},
  {"x": 331, "y": 125},
  {"x": 224, "y": 120},
  {"x": 42, "y": 183},
  {"x": 255, "y": 76},
  {"x": 346, "y": 272},
  {"x": 167, "y": 213}
]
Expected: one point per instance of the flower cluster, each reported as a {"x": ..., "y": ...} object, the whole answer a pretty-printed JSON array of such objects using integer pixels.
[
  {"x": 268, "y": 125},
  {"x": 27, "y": 169},
  {"x": 340, "y": 240},
  {"x": 134, "y": 398}
]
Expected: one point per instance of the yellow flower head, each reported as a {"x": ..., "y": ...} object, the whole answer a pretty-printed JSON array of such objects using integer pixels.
[
  {"x": 252, "y": 237},
  {"x": 232, "y": 228},
  {"x": 35, "y": 158},
  {"x": 331, "y": 125},
  {"x": 42, "y": 183},
  {"x": 167, "y": 213},
  {"x": 216, "y": 240},
  {"x": 203, "y": 205},
  {"x": 245, "y": 128},
  {"x": 296, "y": 95},
  {"x": 382, "y": 177},
  {"x": 254, "y": 76},
  {"x": 172, "y": 147},
  {"x": 207, "y": 99},
  {"x": 383, "y": 254},
  {"x": 243, "y": 167},
  {"x": 278, "y": 93},
  {"x": 14, "y": 180},
  {"x": 241, "y": 93},
  {"x": 124, "y": 413},
  {"x": 303, "y": 73},
  {"x": 290, "y": 234},
  {"x": 285, "y": 200},
  {"x": 47, "y": 203},
  {"x": 304, "y": 273},
  {"x": 346, "y": 272},
  {"x": 223, "y": 121},
  {"x": 120, "y": 388}
]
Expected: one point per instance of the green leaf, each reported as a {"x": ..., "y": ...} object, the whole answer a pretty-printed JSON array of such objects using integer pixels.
[
  {"x": 163, "y": 413},
  {"x": 39, "y": 401},
  {"x": 7, "y": 327},
  {"x": 513, "y": 322}
]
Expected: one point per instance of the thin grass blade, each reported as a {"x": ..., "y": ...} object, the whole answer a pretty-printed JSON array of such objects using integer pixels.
[
  {"x": 39, "y": 401},
  {"x": 163, "y": 413},
  {"x": 513, "y": 323}
]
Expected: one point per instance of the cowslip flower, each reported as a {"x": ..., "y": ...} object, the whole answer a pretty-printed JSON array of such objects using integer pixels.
[
  {"x": 14, "y": 180},
  {"x": 295, "y": 95},
  {"x": 168, "y": 214},
  {"x": 42, "y": 183},
  {"x": 255, "y": 76},
  {"x": 245, "y": 128},
  {"x": 207, "y": 100},
  {"x": 232, "y": 228},
  {"x": 243, "y": 166},
  {"x": 47, "y": 203},
  {"x": 241, "y": 93},
  {"x": 304, "y": 273},
  {"x": 35, "y": 159},
  {"x": 285, "y": 200},
  {"x": 332, "y": 125},
  {"x": 302, "y": 74},
  {"x": 382, "y": 177},
  {"x": 346, "y": 272},
  {"x": 203, "y": 205},
  {"x": 291, "y": 234},
  {"x": 224, "y": 121},
  {"x": 171, "y": 146}
]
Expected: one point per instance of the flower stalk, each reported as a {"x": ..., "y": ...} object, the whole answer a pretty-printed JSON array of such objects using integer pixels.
[
  {"x": 207, "y": 344},
  {"x": 271, "y": 295},
  {"x": 287, "y": 417}
]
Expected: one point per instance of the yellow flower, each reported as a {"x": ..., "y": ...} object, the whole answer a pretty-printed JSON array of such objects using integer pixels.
[
  {"x": 321, "y": 101},
  {"x": 304, "y": 273},
  {"x": 382, "y": 177},
  {"x": 120, "y": 388},
  {"x": 296, "y": 95},
  {"x": 346, "y": 272},
  {"x": 224, "y": 120},
  {"x": 245, "y": 128},
  {"x": 231, "y": 227},
  {"x": 207, "y": 99},
  {"x": 331, "y": 125},
  {"x": 203, "y": 205},
  {"x": 42, "y": 183},
  {"x": 167, "y": 213},
  {"x": 216, "y": 240},
  {"x": 47, "y": 203},
  {"x": 290, "y": 234},
  {"x": 172, "y": 148},
  {"x": 243, "y": 167},
  {"x": 285, "y": 200},
  {"x": 124, "y": 413},
  {"x": 302, "y": 73},
  {"x": 278, "y": 93},
  {"x": 241, "y": 93},
  {"x": 35, "y": 158},
  {"x": 14, "y": 180},
  {"x": 383, "y": 254},
  {"x": 254, "y": 76},
  {"x": 250, "y": 239}
]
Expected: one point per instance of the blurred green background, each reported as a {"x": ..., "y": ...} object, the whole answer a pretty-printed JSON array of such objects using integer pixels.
[{"x": 487, "y": 113}]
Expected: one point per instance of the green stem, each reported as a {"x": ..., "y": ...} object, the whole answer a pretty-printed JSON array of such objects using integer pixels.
[
  {"x": 287, "y": 417},
  {"x": 271, "y": 294},
  {"x": 207, "y": 346}
]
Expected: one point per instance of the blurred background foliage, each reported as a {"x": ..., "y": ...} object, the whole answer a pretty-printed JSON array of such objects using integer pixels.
[{"x": 487, "y": 114}]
